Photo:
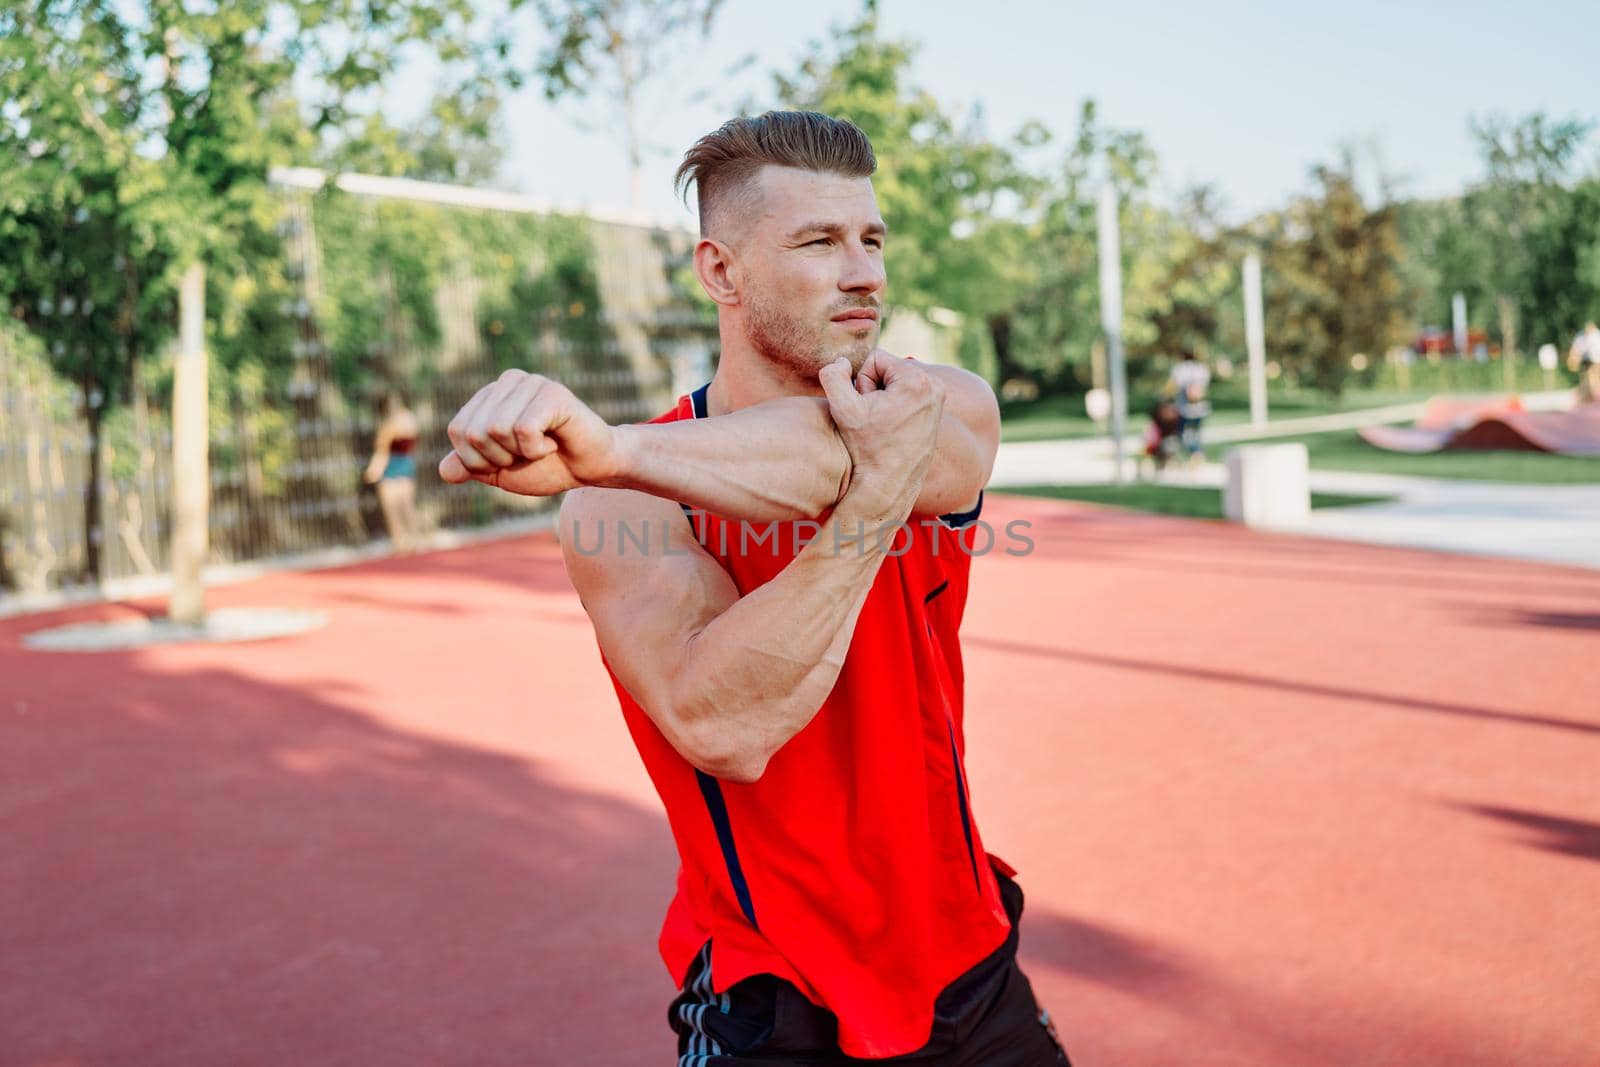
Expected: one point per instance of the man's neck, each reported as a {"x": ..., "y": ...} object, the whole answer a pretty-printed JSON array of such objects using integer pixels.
[{"x": 745, "y": 378}]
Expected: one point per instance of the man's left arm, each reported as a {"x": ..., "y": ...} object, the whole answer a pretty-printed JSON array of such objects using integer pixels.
[{"x": 969, "y": 437}]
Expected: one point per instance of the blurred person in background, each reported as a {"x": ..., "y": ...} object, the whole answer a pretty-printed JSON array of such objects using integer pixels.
[
  {"x": 394, "y": 471},
  {"x": 1188, "y": 383},
  {"x": 1584, "y": 357},
  {"x": 1161, "y": 435}
]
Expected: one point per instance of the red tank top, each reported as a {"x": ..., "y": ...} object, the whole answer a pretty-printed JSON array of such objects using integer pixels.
[{"x": 853, "y": 868}]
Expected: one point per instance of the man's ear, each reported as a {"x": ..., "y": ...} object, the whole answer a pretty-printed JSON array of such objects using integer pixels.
[{"x": 714, "y": 265}]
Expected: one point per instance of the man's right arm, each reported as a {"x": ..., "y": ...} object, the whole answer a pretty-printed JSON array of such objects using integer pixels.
[{"x": 728, "y": 679}]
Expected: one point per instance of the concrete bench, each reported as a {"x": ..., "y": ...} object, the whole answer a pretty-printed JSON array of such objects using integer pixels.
[{"x": 1268, "y": 487}]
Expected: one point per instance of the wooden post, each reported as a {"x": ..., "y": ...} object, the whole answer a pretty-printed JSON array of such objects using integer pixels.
[
  {"x": 191, "y": 474},
  {"x": 1508, "y": 343}
]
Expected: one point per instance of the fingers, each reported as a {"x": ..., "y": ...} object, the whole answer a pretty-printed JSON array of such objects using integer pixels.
[
  {"x": 877, "y": 371},
  {"x": 843, "y": 400},
  {"x": 504, "y": 423},
  {"x": 483, "y": 430},
  {"x": 458, "y": 430},
  {"x": 545, "y": 411},
  {"x": 453, "y": 471},
  {"x": 508, "y": 423},
  {"x": 900, "y": 375}
]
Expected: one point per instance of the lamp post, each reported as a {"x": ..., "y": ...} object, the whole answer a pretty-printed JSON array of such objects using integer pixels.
[
  {"x": 1111, "y": 319},
  {"x": 1255, "y": 340}
]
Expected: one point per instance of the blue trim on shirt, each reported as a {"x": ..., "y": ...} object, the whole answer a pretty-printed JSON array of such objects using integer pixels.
[
  {"x": 957, "y": 519},
  {"x": 961, "y": 796},
  {"x": 711, "y": 789}
]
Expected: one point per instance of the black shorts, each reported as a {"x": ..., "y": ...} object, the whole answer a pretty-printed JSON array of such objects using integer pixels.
[{"x": 987, "y": 1017}]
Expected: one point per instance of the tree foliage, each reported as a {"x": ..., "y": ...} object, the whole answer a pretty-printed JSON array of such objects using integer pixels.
[
  {"x": 459, "y": 138},
  {"x": 1563, "y": 277},
  {"x": 1334, "y": 287},
  {"x": 940, "y": 180},
  {"x": 1518, "y": 233},
  {"x": 136, "y": 138},
  {"x": 622, "y": 50},
  {"x": 1053, "y": 321}
]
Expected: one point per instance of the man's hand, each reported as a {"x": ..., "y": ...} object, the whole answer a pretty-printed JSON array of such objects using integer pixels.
[
  {"x": 889, "y": 421},
  {"x": 530, "y": 435}
]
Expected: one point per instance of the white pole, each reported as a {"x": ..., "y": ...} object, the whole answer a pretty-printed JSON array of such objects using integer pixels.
[
  {"x": 1111, "y": 319},
  {"x": 1458, "y": 319},
  {"x": 1255, "y": 340},
  {"x": 190, "y": 463}
]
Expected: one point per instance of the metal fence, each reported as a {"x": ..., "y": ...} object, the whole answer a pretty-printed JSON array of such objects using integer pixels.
[{"x": 286, "y": 469}]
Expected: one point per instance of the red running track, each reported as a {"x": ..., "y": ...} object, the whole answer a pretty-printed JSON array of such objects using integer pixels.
[{"x": 1274, "y": 801}]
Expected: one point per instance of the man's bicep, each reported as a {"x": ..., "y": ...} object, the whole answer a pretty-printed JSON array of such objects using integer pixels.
[
  {"x": 972, "y": 402},
  {"x": 969, "y": 437},
  {"x": 648, "y": 586}
]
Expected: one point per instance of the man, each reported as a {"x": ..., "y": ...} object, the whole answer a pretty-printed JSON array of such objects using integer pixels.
[
  {"x": 1188, "y": 383},
  {"x": 794, "y": 686},
  {"x": 1584, "y": 357}
]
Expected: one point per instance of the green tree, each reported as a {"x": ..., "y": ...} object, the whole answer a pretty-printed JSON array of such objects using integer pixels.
[
  {"x": 1528, "y": 163},
  {"x": 1052, "y": 324},
  {"x": 619, "y": 49},
  {"x": 1445, "y": 255},
  {"x": 1199, "y": 286},
  {"x": 1514, "y": 240},
  {"x": 955, "y": 201},
  {"x": 1334, "y": 285},
  {"x": 136, "y": 137},
  {"x": 459, "y": 138},
  {"x": 1563, "y": 280}
]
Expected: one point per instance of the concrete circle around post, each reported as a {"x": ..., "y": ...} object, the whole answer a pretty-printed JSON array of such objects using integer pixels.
[{"x": 223, "y": 626}]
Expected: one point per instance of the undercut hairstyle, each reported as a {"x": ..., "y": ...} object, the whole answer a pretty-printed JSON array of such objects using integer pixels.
[{"x": 722, "y": 163}]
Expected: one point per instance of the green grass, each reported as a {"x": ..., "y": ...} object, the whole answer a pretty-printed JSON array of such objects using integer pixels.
[
  {"x": 1057, "y": 417},
  {"x": 1345, "y": 451},
  {"x": 1188, "y": 501}
]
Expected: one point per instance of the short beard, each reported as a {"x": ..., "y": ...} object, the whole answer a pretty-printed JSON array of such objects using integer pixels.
[{"x": 793, "y": 345}]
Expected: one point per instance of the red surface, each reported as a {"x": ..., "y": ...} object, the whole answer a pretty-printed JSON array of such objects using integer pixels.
[
  {"x": 1499, "y": 425},
  {"x": 1273, "y": 801},
  {"x": 1452, "y": 413}
]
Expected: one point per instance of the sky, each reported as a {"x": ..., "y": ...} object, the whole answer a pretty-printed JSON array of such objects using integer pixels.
[{"x": 1243, "y": 95}]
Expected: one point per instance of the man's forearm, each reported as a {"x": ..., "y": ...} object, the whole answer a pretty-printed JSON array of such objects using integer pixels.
[
  {"x": 775, "y": 461},
  {"x": 758, "y": 673},
  {"x": 781, "y": 460}
]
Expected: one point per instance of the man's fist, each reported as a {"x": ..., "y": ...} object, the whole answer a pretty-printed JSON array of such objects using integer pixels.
[
  {"x": 527, "y": 434},
  {"x": 889, "y": 421}
]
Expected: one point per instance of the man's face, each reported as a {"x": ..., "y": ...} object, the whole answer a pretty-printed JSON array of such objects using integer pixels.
[{"x": 812, "y": 272}]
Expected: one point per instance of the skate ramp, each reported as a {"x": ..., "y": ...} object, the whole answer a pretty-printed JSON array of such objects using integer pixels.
[{"x": 1500, "y": 424}]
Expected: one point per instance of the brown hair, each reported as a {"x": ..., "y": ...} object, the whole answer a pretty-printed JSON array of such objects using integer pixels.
[{"x": 722, "y": 162}]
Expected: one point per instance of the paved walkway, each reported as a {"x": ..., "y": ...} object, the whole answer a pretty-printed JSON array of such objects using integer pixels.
[
  {"x": 1276, "y": 801},
  {"x": 1548, "y": 523}
]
